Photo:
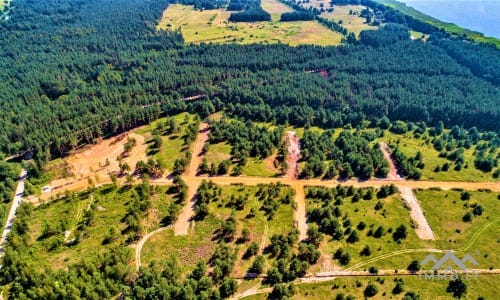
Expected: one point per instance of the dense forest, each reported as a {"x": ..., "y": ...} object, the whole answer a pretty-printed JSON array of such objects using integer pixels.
[{"x": 73, "y": 71}]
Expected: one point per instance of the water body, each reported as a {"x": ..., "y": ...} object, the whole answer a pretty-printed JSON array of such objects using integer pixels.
[{"x": 478, "y": 15}]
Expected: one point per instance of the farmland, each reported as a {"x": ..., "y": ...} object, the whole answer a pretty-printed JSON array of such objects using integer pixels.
[{"x": 212, "y": 26}]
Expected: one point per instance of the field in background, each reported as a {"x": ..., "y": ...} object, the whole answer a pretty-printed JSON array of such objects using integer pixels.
[
  {"x": 213, "y": 26},
  {"x": 352, "y": 22}
]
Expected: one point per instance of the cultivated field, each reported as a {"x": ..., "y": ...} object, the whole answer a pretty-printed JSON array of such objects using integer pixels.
[
  {"x": 212, "y": 26},
  {"x": 352, "y": 22}
]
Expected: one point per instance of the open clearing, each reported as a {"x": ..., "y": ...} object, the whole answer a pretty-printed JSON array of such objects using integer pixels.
[
  {"x": 352, "y": 22},
  {"x": 213, "y": 26},
  {"x": 89, "y": 165}
]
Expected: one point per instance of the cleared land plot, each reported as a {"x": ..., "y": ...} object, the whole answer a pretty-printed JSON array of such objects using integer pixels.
[
  {"x": 485, "y": 286},
  {"x": 392, "y": 214},
  {"x": 52, "y": 226},
  {"x": 352, "y": 22},
  {"x": 445, "y": 211},
  {"x": 410, "y": 145},
  {"x": 201, "y": 242},
  {"x": 173, "y": 146},
  {"x": 213, "y": 26},
  {"x": 93, "y": 163},
  {"x": 275, "y": 8}
]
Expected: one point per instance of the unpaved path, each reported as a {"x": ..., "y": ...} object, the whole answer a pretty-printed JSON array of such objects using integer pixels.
[
  {"x": 293, "y": 154},
  {"x": 198, "y": 154},
  {"x": 18, "y": 199},
  {"x": 141, "y": 243},
  {"x": 393, "y": 171},
  {"x": 185, "y": 219},
  {"x": 300, "y": 210},
  {"x": 423, "y": 230}
]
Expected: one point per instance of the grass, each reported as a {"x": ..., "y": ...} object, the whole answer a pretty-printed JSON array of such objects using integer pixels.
[
  {"x": 189, "y": 249},
  {"x": 257, "y": 167},
  {"x": 352, "y": 22},
  {"x": 213, "y": 26},
  {"x": 485, "y": 286},
  {"x": 64, "y": 214},
  {"x": 391, "y": 215},
  {"x": 218, "y": 152},
  {"x": 275, "y": 8},
  {"x": 201, "y": 242},
  {"x": 173, "y": 146},
  {"x": 410, "y": 145},
  {"x": 444, "y": 211},
  {"x": 449, "y": 27}
]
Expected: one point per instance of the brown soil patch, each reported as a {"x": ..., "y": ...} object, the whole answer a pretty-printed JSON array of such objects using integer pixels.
[
  {"x": 89, "y": 163},
  {"x": 393, "y": 171},
  {"x": 293, "y": 154}
]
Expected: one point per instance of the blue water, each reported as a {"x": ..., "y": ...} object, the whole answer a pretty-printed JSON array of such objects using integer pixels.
[{"x": 478, "y": 15}]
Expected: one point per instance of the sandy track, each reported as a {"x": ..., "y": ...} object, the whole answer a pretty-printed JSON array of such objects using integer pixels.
[
  {"x": 185, "y": 219},
  {"x": 393, "y": 172},
  {"x": 423, "y": 230},
  {"x": 141, "y": 243},
  {"x": 300, "y": 211},
  {"x": 197, "y": 156},
  {"x": 293, "y": 154}
]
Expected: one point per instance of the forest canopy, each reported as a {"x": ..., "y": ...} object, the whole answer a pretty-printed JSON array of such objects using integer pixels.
[{"x": 73, "y": 71}]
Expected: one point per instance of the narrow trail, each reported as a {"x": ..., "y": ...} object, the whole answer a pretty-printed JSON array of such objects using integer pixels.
[
  {"x": 198, "y": 154},
  {"x": 300, "y": 214},
  {"x": 263, "y": 240},
  {"x": 140, "y": 244},
  {"x": 393, "y": 171},
  {"x": 18, "y": 199},
  {"x": 293, "y": 155}
]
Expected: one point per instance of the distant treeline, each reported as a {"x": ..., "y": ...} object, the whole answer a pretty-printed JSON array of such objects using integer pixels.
[{"x": 297, "y": 16}]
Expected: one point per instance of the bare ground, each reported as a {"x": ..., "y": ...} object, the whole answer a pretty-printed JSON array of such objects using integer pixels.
[
  {"x": 88, "y": 166},
  {"x": 293, "y": 154},
  {"x": 393, "y": 172},
  {"x": 423, "y": 230}
]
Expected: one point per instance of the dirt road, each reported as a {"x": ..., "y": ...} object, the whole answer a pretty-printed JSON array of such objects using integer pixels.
[
  {"x": 293, "y": 155},
  {"x": 393, "y": 172},
  {"x": 300, "y": 210},
  {"x": 423, "y": 230},
  {"x": 197, "y": 156},
  {"x": 18, "y": 199}
]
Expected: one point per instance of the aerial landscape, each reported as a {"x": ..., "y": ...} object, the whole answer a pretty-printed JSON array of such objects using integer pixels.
[{"x": 247, "y": 149}]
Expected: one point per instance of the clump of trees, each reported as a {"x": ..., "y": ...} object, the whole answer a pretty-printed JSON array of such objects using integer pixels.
[{"x": 350, "y": 155}]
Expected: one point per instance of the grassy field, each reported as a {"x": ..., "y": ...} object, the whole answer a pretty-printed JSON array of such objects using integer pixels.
[
  {"x": 449, "y": 27},
  {"x": 485, "y": 286},
  {"x": 275, "y": 8},
  {"x": 444, "y": 211},
  {"x": 201, "y": 242},
  {"x": 410, "y": 145},
  {"x": 189, "y": 249},
  {"x": 213, "y": 26},
  {"x": 62, "y": 216},
  {"x": 172, "y": 144},
  {"x": 390, "y": 216},
  {"x": 352, "y": 22}
]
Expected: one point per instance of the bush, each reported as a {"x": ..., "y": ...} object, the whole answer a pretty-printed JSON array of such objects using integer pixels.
[{"x": 370, "y": 290}]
